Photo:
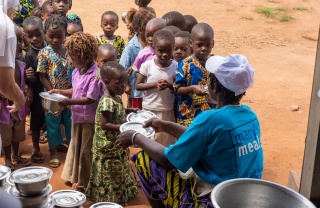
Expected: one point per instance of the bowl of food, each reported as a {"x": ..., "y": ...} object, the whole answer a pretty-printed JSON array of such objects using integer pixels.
[
  {"x": 32, "y": 201},
  {"x": 31, "y": 181},
  {"x": 251, "y": 193},
  {"x": 50, "y": 101}
]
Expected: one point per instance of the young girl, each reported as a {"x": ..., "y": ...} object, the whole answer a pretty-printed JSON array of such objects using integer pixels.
[
  {"x": 109, "y": 24},
  {"x": 110, "y": 180},
  {"x": 74, "y": 24},
  {"x": 85, "y": 94},
  {"x": 54, "y": 74},
  {"x": 156, "y": 78},
  {"x": 138, "y": 20}
]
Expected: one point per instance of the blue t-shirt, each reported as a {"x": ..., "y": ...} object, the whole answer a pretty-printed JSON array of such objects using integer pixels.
[{"x": 220, "y": 144}]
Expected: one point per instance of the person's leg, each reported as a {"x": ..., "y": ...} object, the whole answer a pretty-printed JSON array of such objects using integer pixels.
[
  {"x": 7, "y": 155},
  {"x": 36, "y": 123},
  {"x": 66, "y": 121},
  {"x": 18, "y": 135},
  {"x": 6, "y": 137}
]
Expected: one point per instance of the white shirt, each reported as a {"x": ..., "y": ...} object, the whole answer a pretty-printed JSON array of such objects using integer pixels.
[{"x": 154, "y": 99}]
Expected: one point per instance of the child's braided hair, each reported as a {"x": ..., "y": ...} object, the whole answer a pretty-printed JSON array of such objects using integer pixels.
[
  {"x": 84, "y": 44},
  {"x": 55, "y": 21},
  {"x": 74, "y": 19}
]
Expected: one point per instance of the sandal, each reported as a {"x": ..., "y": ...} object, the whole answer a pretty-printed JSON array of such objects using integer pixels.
[
  {"x": 22, "y": 161},
  {"x": 43, "y": 138},
  {"x": 37, "y": 157},
  {"x": 75, "y": 186},
  {"x": 54, "y": 163},
  {"x": 62, "y": 148}
]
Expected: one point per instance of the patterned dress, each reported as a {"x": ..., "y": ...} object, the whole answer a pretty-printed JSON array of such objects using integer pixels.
[
  {"x": 191, "y": 72},
  {"x": 26, "y": 8},
  {"x": 110, "y": 180},
  {"x": 118, "y": 44}
]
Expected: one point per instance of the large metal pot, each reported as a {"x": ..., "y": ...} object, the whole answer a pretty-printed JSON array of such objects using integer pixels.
[
  {"x": 253, "y": 193},
  {"x": 50, "y": 101},
  {"x": 32, "y": 201},
  {"x": 66, "y": 199},
  {"x": 31, "y": 181},
  {"x": 4, "y": 174}
]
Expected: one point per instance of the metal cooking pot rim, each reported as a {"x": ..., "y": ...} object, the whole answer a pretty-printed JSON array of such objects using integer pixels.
[
  {"x": 4, "y": 171},
  {"x": 31, "y": 174}
]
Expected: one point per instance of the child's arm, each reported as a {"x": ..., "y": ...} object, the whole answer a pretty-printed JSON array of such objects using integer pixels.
[
  {"x": 130, "y": 110},
  {"x": 45, "y": 82},
  {"x": 30, "y": 75},
  {"x": 106, "y": 122},
  {"x": 29, "y": 95},
  {"x": 67, "y": 92},
  {"x": 196, "y": 89},
  {"x": 164, "y": 84},
  {"x": 141, "y": 85},
  {"x": 76, "y": 101}
]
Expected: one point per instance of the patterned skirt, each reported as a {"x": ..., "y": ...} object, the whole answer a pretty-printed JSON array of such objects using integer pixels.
[
  {"x": 110, "y": 180},
  {"x": 160, "y": 184}
]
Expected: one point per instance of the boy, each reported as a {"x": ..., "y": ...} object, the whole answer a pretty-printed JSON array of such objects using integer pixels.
[
  {"x": 172, "y": 29},
  {"x": 12, "y": 125},
  {"x": 147, "y": 53},
  {"x": 109, "y": 24},
  {"x": 106, "y": 52},
  {"x": 190, "y": 22},
  {"x": 60, "y": 6},
  {"x": 192, "y": 77},
  {"x": 33, "y": 30},
  {"x": 182, "y": 47}
]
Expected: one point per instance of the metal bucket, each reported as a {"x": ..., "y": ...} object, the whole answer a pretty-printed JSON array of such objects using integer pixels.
[{"x": 253, "y": 193}]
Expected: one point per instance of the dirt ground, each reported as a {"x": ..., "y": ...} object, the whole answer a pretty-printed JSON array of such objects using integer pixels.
[{"x": 282, "y": 54}]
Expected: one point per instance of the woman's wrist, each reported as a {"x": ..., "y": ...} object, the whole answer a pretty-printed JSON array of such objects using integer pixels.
[{"x": 133, "y": 137}]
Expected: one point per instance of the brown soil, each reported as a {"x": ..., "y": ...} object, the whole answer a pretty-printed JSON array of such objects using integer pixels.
[{"x": 282, "y": 54}]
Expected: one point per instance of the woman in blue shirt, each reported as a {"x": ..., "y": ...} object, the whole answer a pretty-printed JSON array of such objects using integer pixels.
[{"x": 220, "y": 144}]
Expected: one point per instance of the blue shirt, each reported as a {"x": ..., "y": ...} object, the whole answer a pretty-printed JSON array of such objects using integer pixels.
[
  {"x": 128, "y": 56},
  {"x": 220, "y": 144}
]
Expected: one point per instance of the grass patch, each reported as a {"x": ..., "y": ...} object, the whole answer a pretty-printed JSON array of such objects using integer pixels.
[
  {"x": 300, "y": 8},
  {"x": 272, "y": 1},
  {"x": 278, "y": 13},
  {"x": 247, "y": 17},
  {"x": 286, "y": 18}
]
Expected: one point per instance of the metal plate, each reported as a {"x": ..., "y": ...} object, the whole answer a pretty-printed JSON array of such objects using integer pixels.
[
  {"x": 13, "y": 191},
  {"x": 31, "y": 174},
  {"x": 106, "y": 205},
  {"x": 67, "y": 198},
  {"x": 52, "y": 97},
  {"x": 136, "y": 126},
  {"x": 4, "y": 171},
  {"x": 141, "y": 116}
]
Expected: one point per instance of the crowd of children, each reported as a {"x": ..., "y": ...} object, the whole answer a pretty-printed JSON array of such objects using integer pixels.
[{"x": 161, "y": 69}]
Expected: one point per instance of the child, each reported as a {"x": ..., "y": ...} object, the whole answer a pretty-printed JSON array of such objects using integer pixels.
[
  {"x": 43, "y": 11},
  {"x": 192, "y": 77},
  {"x": 172, "y": 29},
  {"x": 137, "y": 23},
  {"x": 85, "y": 94},
  {"x": 12, "y": 125},
  {"x": 34, "y": 33},
  {"x": 156, "y": 78},
  {"x": 74, "y": 24},
  {"x": 148, "y": 52},
  {"x": 182, "y": 47},
  {"x": 54, "y": 74},
  {"x": 175, "y": 18},
  {"x": 191, "y": 21},
  {"x": 109, "y": 24},
  {"x": 110, "y": 179},
  {"x": 60, "y": 6},
  {"x": 106, "y": 52}
]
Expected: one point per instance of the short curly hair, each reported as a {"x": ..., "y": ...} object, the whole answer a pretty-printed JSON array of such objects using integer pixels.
[
  {"x": 175, "y": 18},
  {"x": 163, "y": 35},
  {"x": 84, "y": 44}
]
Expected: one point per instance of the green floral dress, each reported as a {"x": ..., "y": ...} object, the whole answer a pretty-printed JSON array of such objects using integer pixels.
[
  {"x": 118, "y": 43},
  {"x": 110, "y": 180}
]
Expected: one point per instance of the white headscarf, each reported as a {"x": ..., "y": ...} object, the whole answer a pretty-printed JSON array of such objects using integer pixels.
[{"x": 6, "y": 25}]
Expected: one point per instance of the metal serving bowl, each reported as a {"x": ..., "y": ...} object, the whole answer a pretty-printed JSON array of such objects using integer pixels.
[
  {"x": 31, "y": 181},
  {"x": 67, "y": 199},
  {"x": 106, "y": 205},
  {"x": 252, "y": 193},
  {"x": 32, "y": 201},
  {"x": 4, "y": 174},
  {"x": 50, "y": 101}
]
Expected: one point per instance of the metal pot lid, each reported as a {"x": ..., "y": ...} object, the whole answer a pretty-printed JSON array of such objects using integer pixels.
[
  {"x": 13, "y": 191},
  {"x": 31, "y": 174},
  {"x": 141, "y": 116},
  {"x": 52, "y": 96},
  {"x": 4, "y": 171},
  {"x": 106, "y": 205},
  {"x": 67, "y": 198},
  {"x": 137, "y": 126}
]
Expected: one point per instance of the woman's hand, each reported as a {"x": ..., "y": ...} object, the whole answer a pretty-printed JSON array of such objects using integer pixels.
[
  {"x": 130, "y": 110},
  {"x": 155, "y": 123},
  {"x": 124, "y": 140},
  {"x": 198, "y": 90}
]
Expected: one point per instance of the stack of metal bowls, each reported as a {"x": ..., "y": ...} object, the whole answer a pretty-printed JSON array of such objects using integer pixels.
[
  {"x": 106, "y": 205},
  {"x": 66, "y": 199},
  {"x": 31, "y": 186},
  {"x": 4, "y": 175}
]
